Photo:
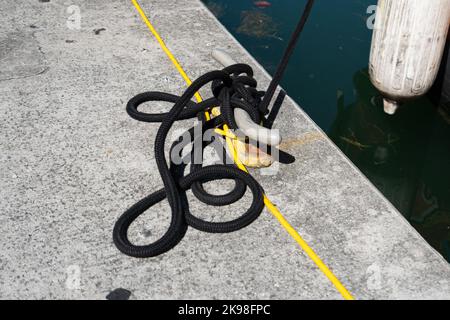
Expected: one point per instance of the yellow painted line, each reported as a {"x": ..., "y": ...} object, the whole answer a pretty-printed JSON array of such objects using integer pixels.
[
  {"x": 166, "y": 50},
  {"x": 308, "y": 250},
  {"x": 224, "y": 133},
  {"x": 270, "y": 206}
]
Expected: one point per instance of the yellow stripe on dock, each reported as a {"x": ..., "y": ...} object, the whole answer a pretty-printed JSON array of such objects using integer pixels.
[{"x": 269, "y": 205}]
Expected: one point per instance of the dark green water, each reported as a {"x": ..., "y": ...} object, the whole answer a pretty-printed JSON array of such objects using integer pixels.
[{"x": 407, "y": 156}]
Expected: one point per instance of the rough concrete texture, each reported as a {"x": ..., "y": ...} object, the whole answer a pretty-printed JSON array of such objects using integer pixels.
[{"x": 71, "y": 161}]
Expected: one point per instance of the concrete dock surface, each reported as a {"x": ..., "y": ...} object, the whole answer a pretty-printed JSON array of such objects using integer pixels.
[{"x": 72, "y": 160}]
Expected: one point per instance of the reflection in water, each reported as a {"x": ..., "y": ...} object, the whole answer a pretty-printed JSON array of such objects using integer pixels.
[
  {"x": 257, "y": 24},
  {"x": 405, "y": 156}
]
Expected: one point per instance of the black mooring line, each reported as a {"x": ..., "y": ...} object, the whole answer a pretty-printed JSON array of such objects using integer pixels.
[{"x": 264, "y": 106}]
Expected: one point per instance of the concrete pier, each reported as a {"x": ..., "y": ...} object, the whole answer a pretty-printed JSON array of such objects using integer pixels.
[{"x": 71, "y": 161}]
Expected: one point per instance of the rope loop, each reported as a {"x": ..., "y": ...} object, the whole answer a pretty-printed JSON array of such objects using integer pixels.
[{"x": 232, "y": 87}]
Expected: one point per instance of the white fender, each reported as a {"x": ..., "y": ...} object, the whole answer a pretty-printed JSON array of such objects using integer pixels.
[{"x": 407, "y": 46}]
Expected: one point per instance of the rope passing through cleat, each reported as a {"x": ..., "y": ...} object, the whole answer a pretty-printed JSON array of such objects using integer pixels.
[{"x": 234, "y": 87}]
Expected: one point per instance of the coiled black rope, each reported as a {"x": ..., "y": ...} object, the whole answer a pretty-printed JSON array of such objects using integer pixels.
[{"x": 232, "y": 87}]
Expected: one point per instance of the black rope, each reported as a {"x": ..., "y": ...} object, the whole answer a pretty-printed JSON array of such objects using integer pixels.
[
  {"x": 232, "y": 87},
  {"x": 268, "y": 123},
  {"x": 286, "y": 57}
]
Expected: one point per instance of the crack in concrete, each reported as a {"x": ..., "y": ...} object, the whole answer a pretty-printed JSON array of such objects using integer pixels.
[{"x": 27, "y": 76}]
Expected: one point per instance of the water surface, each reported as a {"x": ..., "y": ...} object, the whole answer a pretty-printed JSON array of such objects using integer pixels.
[{"x": 407, "y": 156}]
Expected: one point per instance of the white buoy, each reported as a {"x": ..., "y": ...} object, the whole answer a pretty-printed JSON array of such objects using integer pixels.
[{"x": 407, "y": 46}]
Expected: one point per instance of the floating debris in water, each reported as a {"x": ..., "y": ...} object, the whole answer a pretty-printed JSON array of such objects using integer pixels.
[
  {"x": 262, "y": 4},
  {"x": 257, "y": 24},
  {"x": 355, "y": 143}
]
